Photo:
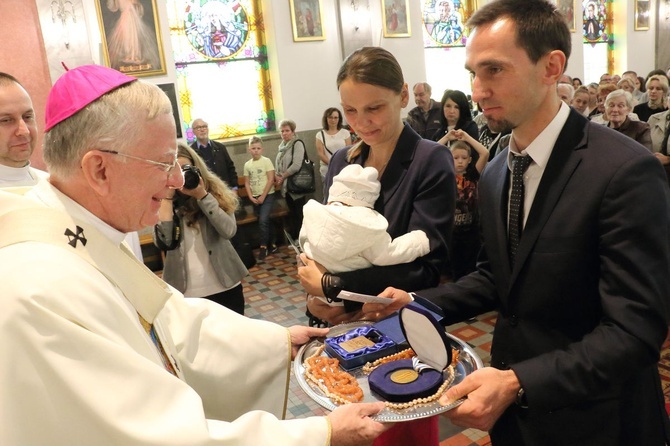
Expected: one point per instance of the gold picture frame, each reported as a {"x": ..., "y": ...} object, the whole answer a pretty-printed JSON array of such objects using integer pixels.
[
  {"x": 642, "y": 8},
  {"x": 395, "y": 18},
  {"x": 139, "y": 52},
  {"x": 307, "y": 20}
]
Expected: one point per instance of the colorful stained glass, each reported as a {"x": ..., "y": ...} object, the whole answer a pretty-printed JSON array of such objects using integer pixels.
[
  {"x": 443, "y": 23},
  {"x": 595, "y": 21},
  {"x": 222, "y": 66}
]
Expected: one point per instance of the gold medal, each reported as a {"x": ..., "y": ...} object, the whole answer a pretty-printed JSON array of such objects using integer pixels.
[{"x": 404, "y": 376}]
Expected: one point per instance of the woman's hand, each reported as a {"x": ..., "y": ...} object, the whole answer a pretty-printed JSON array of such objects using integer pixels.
[
  {"x": 279, "y": 179},
  {"x": 310, "y": 274},
  {"x": 332, "y": 314},
  {"x": 198, "y": 193},
  {"x": 663, "y": 158}
]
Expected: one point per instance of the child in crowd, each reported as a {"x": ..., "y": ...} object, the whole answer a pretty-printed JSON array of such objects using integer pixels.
[
  {"x": 348, "y": 234},
  {"x": 259, "y": 180},
  {"x": 465, "y": 240}
]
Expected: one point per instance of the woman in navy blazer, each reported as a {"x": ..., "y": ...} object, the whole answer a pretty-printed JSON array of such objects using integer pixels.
[{"x": 417, "y": 178}]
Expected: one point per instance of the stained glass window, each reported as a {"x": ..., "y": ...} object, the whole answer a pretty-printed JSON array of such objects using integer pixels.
[
  {"x": 443, "y": 23},
  {"x": 444, "y": 38},
  {"x": 222, "y": 66},
  {"x": 596, "y": 32}
]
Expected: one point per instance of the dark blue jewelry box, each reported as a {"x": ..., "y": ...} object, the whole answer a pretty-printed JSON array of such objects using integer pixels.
[
  {"x": 387, "y": 335},
  {"x": 382, "y": 345}
]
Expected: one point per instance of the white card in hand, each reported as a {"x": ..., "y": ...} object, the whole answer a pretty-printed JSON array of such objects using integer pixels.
[{"x": 364, "y": 298}]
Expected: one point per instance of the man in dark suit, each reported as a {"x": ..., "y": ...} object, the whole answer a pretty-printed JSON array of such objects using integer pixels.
[
  {"x": 214, "y": 153},
  {"x": 583, "y": 302}
]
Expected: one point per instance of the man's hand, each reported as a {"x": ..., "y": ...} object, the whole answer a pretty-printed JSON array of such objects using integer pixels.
[
  {"x": 376, "y": 312},
  {"x": 352, "y": 426},
  {"x": 489, "y": 392},
  {"x": 301, "y": 334}
]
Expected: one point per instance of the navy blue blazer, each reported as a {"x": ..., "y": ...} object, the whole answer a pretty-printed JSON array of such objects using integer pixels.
[
  {"x": 418, "y": 191},
  {"x": 583, "y": 312}
]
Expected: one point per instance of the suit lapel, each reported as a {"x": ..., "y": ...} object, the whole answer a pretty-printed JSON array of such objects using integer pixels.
[
  {"x": 397, "y": 167},
  {"x": 562, "y": 163}
]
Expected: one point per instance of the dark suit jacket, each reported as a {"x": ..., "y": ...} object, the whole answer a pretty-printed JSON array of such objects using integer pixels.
[
  {"x": 223, "y": 166},
  {"x": 418, "y": 191},
  {"x": 583, "y": 313}
]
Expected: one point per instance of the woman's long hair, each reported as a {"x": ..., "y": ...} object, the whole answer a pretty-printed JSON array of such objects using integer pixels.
[
  {"x": 226, "y": 197},
  {"x": 464, "y": 116}
]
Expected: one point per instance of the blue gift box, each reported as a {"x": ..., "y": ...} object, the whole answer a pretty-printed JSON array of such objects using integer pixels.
[
  {"x": 433, "y": 349},
  {"x": 383, "y": 346}
]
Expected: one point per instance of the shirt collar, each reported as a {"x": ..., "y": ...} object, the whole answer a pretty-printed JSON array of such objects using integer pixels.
[
  {"x": 540, "y": 148},
  {"x": 202, "y": 146},
  {"x": 46, "y": 193}
]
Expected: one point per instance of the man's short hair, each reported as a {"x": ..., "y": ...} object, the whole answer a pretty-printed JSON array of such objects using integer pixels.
[
  {"x": 6, "y": 78},
  {"x": 540, "y": 27},
  {"x": 426, "y": 87},
  {"x": 114, "y": 122}
]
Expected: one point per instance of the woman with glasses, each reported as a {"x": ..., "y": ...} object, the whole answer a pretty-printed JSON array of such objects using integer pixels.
[
  {"x": 195, "y": 228},
  {"x": 332, "y": 138}
]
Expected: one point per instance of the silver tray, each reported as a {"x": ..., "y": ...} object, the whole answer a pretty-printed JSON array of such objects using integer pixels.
[{"x": 468, "y": 362}]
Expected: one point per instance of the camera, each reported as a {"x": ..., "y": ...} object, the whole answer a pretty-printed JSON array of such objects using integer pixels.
[{"x": 191, "y": 176}]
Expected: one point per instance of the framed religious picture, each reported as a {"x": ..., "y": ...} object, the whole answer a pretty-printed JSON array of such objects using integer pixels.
[
  {"x": 131, "y": 38},
  {"x": 307, "y": 20},
  {"x": 641, "y": 15},
  {"x": 395, "y": 18},
  {"x": 567, "y": 10}
]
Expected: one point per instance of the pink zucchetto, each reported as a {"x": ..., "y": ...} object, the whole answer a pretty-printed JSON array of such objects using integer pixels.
[{"x": 77, "y": 88}]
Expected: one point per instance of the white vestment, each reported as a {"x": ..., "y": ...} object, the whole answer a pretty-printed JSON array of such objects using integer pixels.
[
  {"x": 78, "y": 368},
  {"x": 348, "y": 238}
]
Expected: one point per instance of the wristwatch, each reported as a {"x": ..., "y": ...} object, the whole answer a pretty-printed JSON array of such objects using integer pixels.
[{"x": 521, "y": 399}]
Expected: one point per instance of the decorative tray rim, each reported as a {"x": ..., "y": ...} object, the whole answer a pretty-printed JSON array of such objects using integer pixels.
[{"x": 469, "y": 362}]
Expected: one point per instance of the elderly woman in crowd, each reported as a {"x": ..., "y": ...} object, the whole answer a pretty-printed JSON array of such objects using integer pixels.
[
  {"x": 599, "y": 114},
  {"x": 618, "y": 104},
  {"x": 657, "y": 91}
]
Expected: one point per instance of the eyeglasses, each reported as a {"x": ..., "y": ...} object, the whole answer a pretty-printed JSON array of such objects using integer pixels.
[
  {"x": 200, "y": 127},
  {"x": 166, "y": 167}
]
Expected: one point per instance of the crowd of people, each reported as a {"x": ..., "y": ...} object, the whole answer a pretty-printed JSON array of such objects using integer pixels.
[{"x": 547, "y": 201}]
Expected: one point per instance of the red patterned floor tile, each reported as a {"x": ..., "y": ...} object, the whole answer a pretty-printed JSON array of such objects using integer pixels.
[{"x": 467, "y": 333}]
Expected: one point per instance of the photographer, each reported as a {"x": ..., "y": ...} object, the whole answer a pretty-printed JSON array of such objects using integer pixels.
[{"x": 195, "y": 228}]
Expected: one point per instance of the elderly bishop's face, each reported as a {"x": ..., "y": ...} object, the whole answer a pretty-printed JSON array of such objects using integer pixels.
[{"x": 137, "y": 187}]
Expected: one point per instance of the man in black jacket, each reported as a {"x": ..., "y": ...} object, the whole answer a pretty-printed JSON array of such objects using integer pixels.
[{"x": 214, "y": 153}]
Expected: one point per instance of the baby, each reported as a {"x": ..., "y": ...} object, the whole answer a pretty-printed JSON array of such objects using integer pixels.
[{"x": 348, "y": 234}]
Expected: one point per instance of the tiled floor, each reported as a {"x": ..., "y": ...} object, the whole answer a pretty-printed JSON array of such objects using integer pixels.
[{"x": 272, "y": 292}]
